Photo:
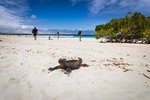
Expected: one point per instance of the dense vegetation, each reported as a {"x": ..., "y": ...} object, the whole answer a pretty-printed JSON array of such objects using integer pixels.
[{"x": 133, "y": 26}]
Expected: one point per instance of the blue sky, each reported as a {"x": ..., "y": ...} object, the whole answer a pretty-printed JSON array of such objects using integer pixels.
[{"x": 61, "y": 15}]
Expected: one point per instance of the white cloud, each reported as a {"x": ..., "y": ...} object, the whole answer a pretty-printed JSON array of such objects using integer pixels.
[
  {"x": 116, "y": 6},
  {"x": 75, "y": 1},
  {"x": 33, "y": 16},
  {"x": 26, "y": 27},
  {"x": 17, "y": 6},
  {"x": 11, "y": 15},
  {"x": 63, "y": 31},
  {"x": 8, "y": 21},
  {"x": 96, "y": 6}
]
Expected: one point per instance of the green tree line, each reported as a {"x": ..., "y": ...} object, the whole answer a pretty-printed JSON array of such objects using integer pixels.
[{"x": 133, "y": 25}]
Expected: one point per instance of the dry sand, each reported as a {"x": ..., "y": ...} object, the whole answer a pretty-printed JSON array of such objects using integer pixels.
[{"x": 116, "y": 71}]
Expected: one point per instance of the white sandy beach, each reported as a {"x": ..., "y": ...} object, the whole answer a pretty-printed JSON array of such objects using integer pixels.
[{"x": 24, "y": 73}]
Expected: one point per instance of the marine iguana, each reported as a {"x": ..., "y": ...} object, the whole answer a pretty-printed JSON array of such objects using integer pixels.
[{"x": 69, "y": 65}]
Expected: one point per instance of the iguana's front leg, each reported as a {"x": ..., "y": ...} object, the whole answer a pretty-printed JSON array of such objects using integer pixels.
[{"x": 51, "y": 69}]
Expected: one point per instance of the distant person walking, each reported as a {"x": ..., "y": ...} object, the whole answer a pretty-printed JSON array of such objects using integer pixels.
[
  {"x": 80, "y": 34},
  {"x": 35, "y": 31},
  {"x": 58, "y": 35}
]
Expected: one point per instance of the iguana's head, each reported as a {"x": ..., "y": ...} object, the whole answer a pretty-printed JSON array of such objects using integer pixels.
[{"x": 61, "y": 62}]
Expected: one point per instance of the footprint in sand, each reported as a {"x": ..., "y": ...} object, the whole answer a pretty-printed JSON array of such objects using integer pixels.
[
  {"x": 128, "y": 54},
  {"x": 93, "y": 60},
  {"x": 2, "y": 57},
  {"x": 39, "y": 51},
  {"x": 28, "y": 50},
  {"x": 144, "y": 55},
  {"x": 146, "y": 65}
]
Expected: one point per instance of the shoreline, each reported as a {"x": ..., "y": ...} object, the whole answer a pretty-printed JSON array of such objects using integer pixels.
[
  {"x": 47, "y": 34},
  {"x": 67, "y": 38}
]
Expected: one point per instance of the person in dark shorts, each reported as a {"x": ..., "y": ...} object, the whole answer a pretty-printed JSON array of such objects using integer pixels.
[
  {"x": 58, "y": 35},
  {"x": 80, "y": 34},
  {"x": 35, "y": 31}
]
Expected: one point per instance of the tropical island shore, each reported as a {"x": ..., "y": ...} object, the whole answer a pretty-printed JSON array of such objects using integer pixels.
[{"x": 116, "y": 71}]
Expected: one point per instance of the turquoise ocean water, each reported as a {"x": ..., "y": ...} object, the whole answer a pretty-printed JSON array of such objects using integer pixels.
[
  {"x": 40, "y": 36},
  {"x": 72, "y": 37}
]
